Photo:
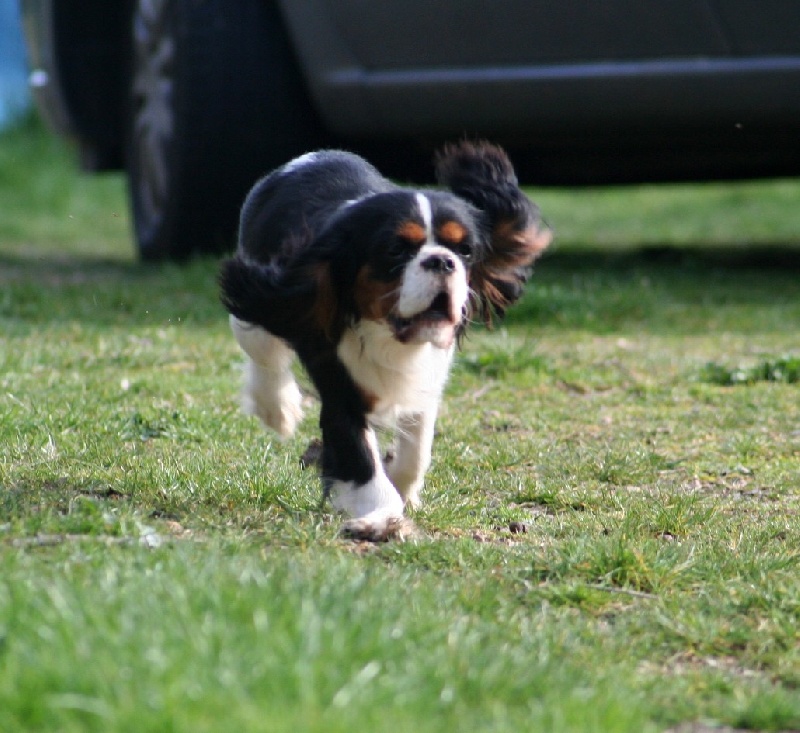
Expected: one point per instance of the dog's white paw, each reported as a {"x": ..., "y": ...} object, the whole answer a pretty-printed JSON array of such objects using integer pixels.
[
  {"x": 282, "y": 411},
  {"x": 274, "y": 398},
  {"x": 375, "y": 507},
  {"x": 379, "y": 526},
  {"x": 362, "y": 500}
]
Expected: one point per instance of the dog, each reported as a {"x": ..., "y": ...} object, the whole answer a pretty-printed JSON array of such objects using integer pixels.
[{"x": 372, "y": 285}]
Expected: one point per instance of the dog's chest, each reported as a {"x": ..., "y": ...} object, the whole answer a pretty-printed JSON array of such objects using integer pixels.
[{"x": 399, "y": 377}]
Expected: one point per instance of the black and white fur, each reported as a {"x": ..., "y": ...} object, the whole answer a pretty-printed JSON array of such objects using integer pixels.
[{"x": 371, "y": 285}]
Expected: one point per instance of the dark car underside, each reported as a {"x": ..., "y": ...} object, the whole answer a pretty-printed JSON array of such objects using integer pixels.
[{"x": 197, "y": 99}]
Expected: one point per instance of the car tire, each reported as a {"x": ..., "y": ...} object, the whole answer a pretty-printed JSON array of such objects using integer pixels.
[{"x": 216, "y": 99}]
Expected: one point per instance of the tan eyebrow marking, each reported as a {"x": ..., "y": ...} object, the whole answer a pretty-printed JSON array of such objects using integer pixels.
[
  {"x": 412, "y": 231},
  {"x": 451, "y": 232}
]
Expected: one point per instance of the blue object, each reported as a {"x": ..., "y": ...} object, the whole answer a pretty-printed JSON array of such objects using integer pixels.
[{"x": 14, "y": 94}]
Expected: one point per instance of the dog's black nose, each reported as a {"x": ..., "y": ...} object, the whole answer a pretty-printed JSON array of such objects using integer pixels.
[{"x": 441, "y": 263}]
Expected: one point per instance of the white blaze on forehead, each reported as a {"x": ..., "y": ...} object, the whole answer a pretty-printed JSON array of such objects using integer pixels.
[{"x": 424, "y": 204}]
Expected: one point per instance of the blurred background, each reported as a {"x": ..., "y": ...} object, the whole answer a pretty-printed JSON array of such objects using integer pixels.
[
  {"x": 634, "y": 123},
  {"x": 14, "y": 95}
]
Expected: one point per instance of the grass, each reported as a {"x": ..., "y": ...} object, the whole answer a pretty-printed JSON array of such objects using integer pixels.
[{"x": 610, "y": 535}]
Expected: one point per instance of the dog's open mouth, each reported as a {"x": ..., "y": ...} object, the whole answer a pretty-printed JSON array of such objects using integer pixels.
[{"x": 437, "y": 314}]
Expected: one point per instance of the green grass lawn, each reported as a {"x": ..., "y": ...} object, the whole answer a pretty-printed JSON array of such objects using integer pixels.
[{"x": 610, "y": 539}]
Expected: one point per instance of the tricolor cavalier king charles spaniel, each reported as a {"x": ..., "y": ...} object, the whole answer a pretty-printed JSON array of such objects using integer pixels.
[{"x": 371, "y": 285}]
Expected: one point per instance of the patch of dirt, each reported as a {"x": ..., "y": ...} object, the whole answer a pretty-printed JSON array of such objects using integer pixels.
[
  {"x": 102, "y": 492},
  {"x": 517, "y": 527},
  {"x": 689, "y": 661},
  {"x": 496, "y": 535},
  {"x": 738, "y": 482},
  {"x": 176, "y": 529}
]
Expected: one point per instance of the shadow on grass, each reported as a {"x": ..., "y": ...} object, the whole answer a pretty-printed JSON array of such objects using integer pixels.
[
  {"x": 109, "y": 292},
  {"x": 758, "y": 257},
  {"x": 670, "y": 290},
  {"x": 656, "y": 289}
]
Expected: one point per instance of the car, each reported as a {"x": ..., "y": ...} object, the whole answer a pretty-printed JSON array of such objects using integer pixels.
[{"x": 197, "y": 99}]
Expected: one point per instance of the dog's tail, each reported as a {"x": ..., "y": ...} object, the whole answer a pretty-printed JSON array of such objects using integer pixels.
[
  {"x": 481, "y": 173},
  {"x": 284, "y": 301},
  {"x": 246, "y": 288},
  {"x": 259, "y": 293}
]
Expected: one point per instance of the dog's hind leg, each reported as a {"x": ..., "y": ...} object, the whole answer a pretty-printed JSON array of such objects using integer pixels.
[{"x": 270, "y": 391}]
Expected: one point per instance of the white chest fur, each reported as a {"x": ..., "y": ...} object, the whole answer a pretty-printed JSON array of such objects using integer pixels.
[{"x": 403, "y": 377}]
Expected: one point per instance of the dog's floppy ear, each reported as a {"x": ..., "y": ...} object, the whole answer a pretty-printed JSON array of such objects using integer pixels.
[{"x": 482, "y": 174}]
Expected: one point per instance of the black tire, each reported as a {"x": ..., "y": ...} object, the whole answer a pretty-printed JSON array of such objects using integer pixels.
[{"x": 216, "y": 100}]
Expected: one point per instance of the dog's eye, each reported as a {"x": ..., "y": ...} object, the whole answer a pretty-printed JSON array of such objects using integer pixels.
[
  {"x": 464, "y": 251},
  {"x": 400, "y": 250}
]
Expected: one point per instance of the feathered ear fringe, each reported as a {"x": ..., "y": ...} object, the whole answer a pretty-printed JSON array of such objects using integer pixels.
[{"x": 482, "y": 174}]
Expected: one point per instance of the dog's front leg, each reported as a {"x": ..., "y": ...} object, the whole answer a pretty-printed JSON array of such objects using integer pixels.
[
  {"x": 357, "y": 485},
  {"x": 412, "y": 454},
  {"x": 353, "y": 476}
]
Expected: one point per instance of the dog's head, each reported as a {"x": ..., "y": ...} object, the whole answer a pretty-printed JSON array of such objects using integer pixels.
[
  {"x": 421, "y": 262},
  {"x": 406, "y": 263},
  {"x": 424, "y": 262}
]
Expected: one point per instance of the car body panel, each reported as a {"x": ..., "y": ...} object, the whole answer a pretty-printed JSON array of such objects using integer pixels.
[
  {"x": 582, "y": 91},
  {"x": 546, "y": 68}
]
